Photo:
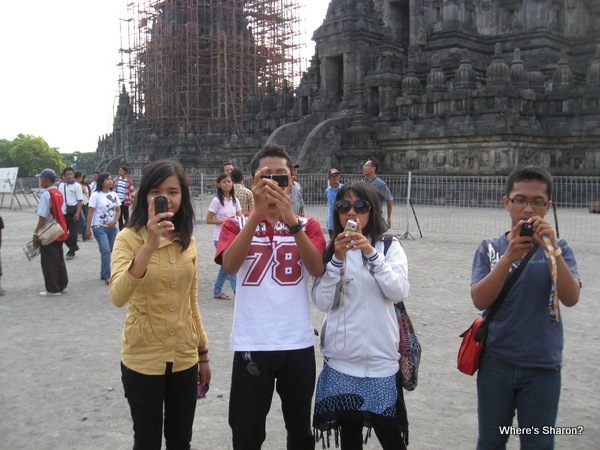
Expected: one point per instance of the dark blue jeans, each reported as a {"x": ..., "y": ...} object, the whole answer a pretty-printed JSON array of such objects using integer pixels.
[
  {"x": 292, "y": 373},
  {"x": 503, "y": 388},
  {"x": 148, "y": 394}
]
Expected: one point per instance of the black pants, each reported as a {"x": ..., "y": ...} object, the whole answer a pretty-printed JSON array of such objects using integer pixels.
[
  {"x": 351, "y": 436},
  {"x": 148, "y": 394},
  {"x": 250, "y": 398},
  {"x": 351, "y": 431},
  {"x": 53, "y": 267},
  {"x": 124, "y": 217},
  {"x": 73, "y": 227}
]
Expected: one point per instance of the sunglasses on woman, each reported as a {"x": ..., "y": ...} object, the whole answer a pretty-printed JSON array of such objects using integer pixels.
[{"x": 360, "y": 207}]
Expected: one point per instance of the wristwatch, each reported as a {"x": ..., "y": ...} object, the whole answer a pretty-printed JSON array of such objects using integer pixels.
[{"x": 295, "y": 228}]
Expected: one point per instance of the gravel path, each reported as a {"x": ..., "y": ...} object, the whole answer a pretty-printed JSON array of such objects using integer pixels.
[{"x": 60, "y": 382}]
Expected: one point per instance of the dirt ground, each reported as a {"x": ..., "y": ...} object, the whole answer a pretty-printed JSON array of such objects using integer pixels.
[{"x": 60, "y": 384}]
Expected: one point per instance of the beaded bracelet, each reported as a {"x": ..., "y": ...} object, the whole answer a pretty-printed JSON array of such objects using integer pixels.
[
  {"x": 205, "y": 361},
  {"x": 295, "y": 228}
]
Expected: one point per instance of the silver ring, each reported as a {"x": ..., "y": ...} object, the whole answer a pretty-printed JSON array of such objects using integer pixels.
[{"x": 158, "y": 225}]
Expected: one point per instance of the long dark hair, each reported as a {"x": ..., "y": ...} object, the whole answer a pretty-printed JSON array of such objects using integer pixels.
[
  {"x": 376, "y": 226},
  {"x": 100, "y": 180},
  {"x": 153, "y": 175},
  {"x": 220, "y": 194}
]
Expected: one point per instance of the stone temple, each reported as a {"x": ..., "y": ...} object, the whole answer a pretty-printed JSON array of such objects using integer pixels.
[{"x": 428, "y": 86}]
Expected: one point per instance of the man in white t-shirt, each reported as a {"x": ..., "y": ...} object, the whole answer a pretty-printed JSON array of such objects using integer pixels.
[
  {"x": 73, "y": 195},
  {"x": 273, "y": 252}
]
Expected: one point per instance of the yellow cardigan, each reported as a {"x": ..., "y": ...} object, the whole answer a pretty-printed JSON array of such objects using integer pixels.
[{"x": 163, "y": 321}]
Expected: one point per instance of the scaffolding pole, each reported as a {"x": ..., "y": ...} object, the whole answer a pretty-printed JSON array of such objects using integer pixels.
[{"x": 190, "y": 65}]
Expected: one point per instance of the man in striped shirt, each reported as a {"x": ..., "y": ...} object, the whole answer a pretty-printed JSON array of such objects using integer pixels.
[{"x": 124, "y": 188}]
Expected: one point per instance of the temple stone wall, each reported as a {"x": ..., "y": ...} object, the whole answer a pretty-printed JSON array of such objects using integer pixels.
[{"x": 430, "y": 86}]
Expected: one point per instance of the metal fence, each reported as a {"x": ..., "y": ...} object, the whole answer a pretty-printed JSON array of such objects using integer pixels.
[
  {"x": 446, "y": 205},
  {"x": 449, "y": 205}
]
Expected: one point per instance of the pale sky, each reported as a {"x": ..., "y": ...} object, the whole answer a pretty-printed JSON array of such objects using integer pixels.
[{"x": 59, "y": 74}]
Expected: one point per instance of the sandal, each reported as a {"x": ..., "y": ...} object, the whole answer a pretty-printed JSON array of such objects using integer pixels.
[{"x": 222, "y": 296}]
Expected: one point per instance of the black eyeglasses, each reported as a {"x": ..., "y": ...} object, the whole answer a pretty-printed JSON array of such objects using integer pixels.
[
  {"x": 251, "y": 367},
  {"x": 336, "y": 174},
  {"x": 520, "y": 201},
  {"x": 360, "y": 207}
]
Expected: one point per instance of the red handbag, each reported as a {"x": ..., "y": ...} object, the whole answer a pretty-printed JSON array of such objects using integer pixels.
[
  {"x": 473, "y": 340},
  {"x": 471, "y": 348}
]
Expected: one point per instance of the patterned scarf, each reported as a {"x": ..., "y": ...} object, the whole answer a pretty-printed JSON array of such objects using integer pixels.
[{"x": 553, "y": 301}]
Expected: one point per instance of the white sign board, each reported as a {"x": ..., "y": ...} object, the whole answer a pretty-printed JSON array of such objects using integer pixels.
[{"x": 8, "y": 179}]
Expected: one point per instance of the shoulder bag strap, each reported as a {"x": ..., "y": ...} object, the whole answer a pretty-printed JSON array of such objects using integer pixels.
[{"x": 503, "y": 293}]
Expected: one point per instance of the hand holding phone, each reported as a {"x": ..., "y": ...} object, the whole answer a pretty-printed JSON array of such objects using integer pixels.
[
  {"x": 161, "y": 204},
  {"x": 202, "y": 390},
  {"x": 351, "y": 226},
  {"x": 526, "y": 229},
  {"x": 280, "y": 179}
]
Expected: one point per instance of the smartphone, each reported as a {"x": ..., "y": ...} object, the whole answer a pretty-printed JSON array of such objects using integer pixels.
[
  {"x": 526, "y": 229},
  {"x": 161, "y": 204},
  {"x": 351, "y": 226},
  {"x": 202, "y": 390},
  {"x": 280, "y": 179}
]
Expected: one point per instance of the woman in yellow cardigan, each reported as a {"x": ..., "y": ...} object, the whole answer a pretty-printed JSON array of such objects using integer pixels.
[{"x": 154, "y": 270}]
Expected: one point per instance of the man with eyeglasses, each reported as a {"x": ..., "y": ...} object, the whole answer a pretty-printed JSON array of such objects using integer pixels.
[
  {"x": 520, "y": 368},
  {"x": 274, "y": 253},
  {"x": 333, "y": 176},
  {"x": 370, "y": 169}
]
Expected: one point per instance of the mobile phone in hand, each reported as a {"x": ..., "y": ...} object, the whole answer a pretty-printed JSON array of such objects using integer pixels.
[
  {"x": 351, "y": 226},
  {"x": 202, "y": 390},
  {"x": 161, "y": 204},
  {"x": 526, "y": 229},
  {"x": 280, "y": 179}
]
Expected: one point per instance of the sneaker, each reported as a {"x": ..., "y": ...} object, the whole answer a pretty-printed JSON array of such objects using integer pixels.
[
  {"x": 2, "y": 291},
  {"x": 64, "y": 291},
  {"x": 49, "y": 294},
  {"x": 70, "y": 256}
]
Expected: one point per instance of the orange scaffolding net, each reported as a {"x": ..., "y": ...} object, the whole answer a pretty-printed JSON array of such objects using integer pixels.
[{"x": 189, "y": 65}]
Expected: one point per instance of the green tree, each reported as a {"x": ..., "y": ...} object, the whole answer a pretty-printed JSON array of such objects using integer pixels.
[
  {"x": 33, "y": 154},
  {"x": 5, "y": 160},
  {"x": 83, "y": 162}
]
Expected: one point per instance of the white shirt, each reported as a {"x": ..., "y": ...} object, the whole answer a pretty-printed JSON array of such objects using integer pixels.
[
  {"x": 223, "y": 212},
  {"x": 104, "y": 204},
  {"x": 72, "y": 194},
  {"x": 360, "y": 334},
  {"x": 271, "y": 309},
  {"x": 44, "y": 205}
]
